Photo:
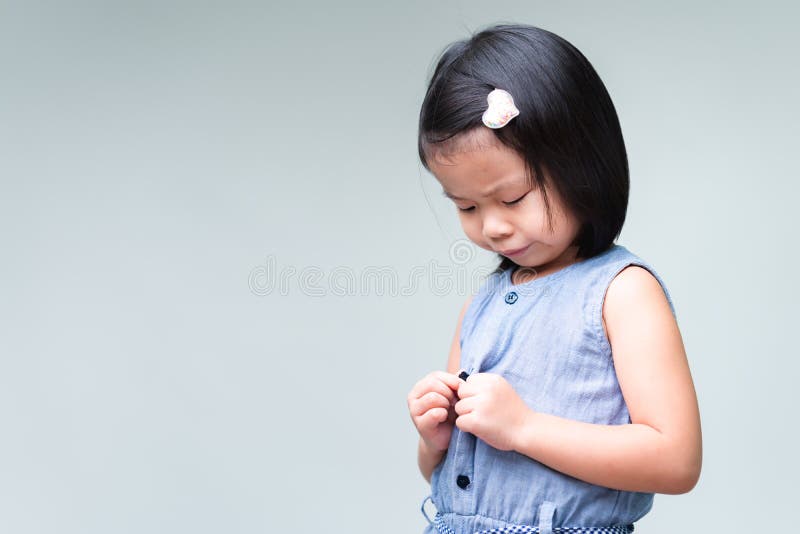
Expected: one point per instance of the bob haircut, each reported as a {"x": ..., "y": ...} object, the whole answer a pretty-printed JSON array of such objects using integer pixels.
[{"x": 567, "y": 127}]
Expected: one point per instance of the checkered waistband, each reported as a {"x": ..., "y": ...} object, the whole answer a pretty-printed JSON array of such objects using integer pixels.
[
  {"x": 547, "y": 508},
  {"x": 443, "y": 528}
]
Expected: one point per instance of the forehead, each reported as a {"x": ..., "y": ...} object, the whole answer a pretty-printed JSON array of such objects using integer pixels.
[
  {"x": 474, "y": 162},
  {"x": 474, "y": 140}
]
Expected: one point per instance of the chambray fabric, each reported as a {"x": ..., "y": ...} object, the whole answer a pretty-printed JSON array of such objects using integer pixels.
[{"x": 546, "y": 338}]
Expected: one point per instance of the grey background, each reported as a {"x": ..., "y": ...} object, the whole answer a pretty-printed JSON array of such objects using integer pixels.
[{"x": 155, "y": 157}]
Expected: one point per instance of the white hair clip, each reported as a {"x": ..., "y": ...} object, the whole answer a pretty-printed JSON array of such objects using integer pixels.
[{"x": 501, "y": 109}]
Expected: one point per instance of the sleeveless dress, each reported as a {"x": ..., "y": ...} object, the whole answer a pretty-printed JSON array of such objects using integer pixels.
[{"x": 546, "y": 338}]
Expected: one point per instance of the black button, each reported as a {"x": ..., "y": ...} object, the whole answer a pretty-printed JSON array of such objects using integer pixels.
[
  {"x": 511, "y": 297},
  {"x": 462, "y": 481}
]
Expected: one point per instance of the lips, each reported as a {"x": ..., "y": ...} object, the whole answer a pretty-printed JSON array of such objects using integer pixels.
[{"x": 513, "y": 252}]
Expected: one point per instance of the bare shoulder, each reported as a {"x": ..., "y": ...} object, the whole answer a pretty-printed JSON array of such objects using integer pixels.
[{"x": 633, "y": 291}]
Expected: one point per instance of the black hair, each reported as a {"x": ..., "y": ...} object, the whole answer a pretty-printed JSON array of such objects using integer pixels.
[{"x": 567, "y": 125}]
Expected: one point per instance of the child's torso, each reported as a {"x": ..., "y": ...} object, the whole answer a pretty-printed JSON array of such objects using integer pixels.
[{"x": 546, "y": 338}]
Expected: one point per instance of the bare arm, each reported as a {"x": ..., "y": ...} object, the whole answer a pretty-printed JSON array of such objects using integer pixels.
[
  {"x": 661, "y": 450},
  {"x": 428, "y": 459}
]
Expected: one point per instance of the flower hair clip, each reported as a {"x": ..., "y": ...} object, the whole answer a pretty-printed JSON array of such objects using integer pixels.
[{"x": 501, "y": 109}]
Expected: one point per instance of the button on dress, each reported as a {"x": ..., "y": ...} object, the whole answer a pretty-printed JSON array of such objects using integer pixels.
[{"x": 546, "y": 338}]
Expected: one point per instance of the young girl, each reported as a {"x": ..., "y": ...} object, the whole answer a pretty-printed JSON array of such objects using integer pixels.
[{"x": 567, "y": 401}]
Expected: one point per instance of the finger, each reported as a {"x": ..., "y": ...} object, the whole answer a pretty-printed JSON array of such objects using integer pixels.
[
  {"x": 442, "y": 387},
  {"x": 432, "y": 399},
  {"x": 478, "y": 377},
  {"x": 431, "y": 418},
  {"x": 434, "y": 386},
  {"x": 448, "y": 379},
  {"x": 465, "y": 406},
  {"x": 418, "y": 389},
  {"x": 432, "y": 382},
  {"x": 466, "y": 389},
  {"x": 466, "y": 423}
]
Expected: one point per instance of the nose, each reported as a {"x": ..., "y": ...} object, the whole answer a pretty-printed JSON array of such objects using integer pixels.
[{"x": 496, "y": 227}]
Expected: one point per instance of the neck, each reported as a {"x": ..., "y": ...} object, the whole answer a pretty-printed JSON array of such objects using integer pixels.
[{"x": 522, "y": 274}]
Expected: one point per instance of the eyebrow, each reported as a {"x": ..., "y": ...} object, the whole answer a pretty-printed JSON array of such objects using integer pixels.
[{"x": 487, "y": 193}]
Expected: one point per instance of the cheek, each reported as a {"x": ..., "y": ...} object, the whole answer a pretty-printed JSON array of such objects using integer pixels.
[
  {"x": 471, "y": 226},
  {"x": 566, "y": 222}
]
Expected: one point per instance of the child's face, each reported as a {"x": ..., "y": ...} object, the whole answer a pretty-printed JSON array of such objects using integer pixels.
[{"x": 503, "y": 213}]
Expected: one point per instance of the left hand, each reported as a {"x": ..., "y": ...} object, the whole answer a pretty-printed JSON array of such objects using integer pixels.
[{"x": 490, "y": 409}]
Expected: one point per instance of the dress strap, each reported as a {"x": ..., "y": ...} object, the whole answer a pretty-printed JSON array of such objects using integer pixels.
[{"x": 546, "y": 511}]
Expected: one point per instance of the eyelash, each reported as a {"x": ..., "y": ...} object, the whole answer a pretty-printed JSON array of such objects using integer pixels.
[{"x": 506, "y": 203}]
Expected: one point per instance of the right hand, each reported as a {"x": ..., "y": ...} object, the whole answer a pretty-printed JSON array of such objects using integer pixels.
[{"x": 430, "y": 403}]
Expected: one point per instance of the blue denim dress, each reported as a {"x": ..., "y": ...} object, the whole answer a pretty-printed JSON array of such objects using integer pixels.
[{"x": 546, "y": 338}]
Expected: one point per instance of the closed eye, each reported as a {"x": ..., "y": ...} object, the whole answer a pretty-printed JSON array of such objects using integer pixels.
[
  {"x": 511, "y": 203},
  {"x": 515, "y": 201}
]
